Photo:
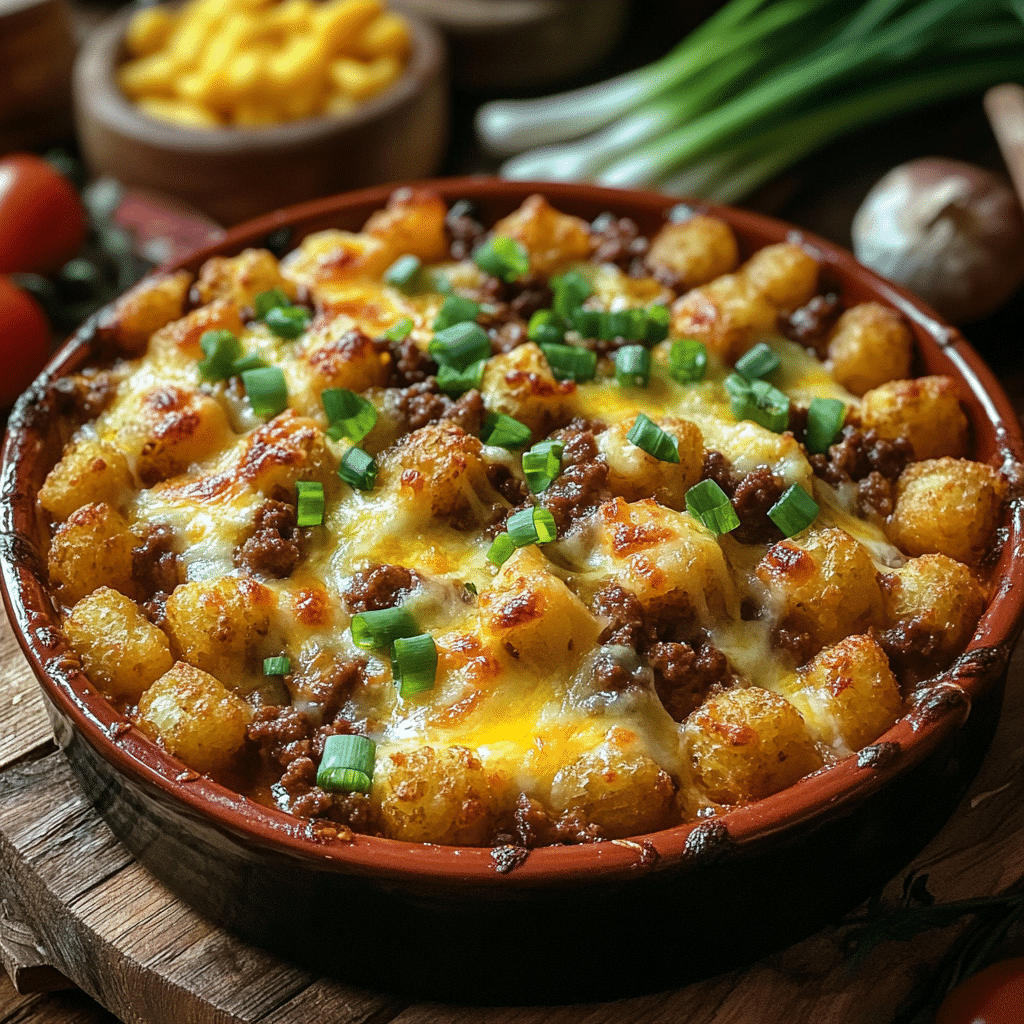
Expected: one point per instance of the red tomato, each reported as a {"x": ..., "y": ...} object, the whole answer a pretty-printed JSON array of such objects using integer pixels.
[
  {"x": 992, "y": 996},
  {"x": 24, "y": 341},
  {"x": 42, "y": 220}
]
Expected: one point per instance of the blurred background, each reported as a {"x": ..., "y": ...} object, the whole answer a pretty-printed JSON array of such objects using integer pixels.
[{"x": 154, "y": 180}]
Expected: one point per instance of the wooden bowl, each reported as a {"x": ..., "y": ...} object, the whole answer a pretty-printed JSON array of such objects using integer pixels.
[
  {"x": 234, "y": 174},
  {"x": 582, "y": 922}
]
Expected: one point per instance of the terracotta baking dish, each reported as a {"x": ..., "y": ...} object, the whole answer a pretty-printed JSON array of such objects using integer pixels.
[{"x": 581, "y": 922}]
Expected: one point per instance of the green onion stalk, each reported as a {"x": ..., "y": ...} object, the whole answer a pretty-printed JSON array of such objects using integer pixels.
[{"x": 756, "y": 88}]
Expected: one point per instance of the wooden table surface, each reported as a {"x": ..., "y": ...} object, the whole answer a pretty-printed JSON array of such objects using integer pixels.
[{"x": 140, "y": 956}]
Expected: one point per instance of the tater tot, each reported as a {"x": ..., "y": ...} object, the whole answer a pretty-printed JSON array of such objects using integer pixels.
[
  {"x": 925, "y": 411},
  {"x": 947, "y": 506},
  {"x": 869, "y": 345}
]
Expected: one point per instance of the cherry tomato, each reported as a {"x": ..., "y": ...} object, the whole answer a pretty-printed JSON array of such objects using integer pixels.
[
  {"x": 24, "y": 341},
  {"x": 42, "y": 220},
  {"x": 992, "y": 996}
]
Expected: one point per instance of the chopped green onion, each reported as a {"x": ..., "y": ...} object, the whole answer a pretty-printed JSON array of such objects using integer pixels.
[
  {"x": 457, "y": 382},
  {"x": 757, "y": 362},
  {"x": 267, "y": 390},
  {"x": 587, "y": 322},
  {"x": 404, "y": 272},
  {"x": 348, "y": 414},
  {"x": 266, "y": 301},
  {"x": 825, "y": 417},
  {"x": 221, "y": 349},
  {"x": 569, "y": 362},
  {"x": 276, "y": 666},
  {"x": 546, "y": 327},
  {"x": 532, "y": 526},
  {"x": 656, "y": 328},
  {"x": 460, "y": 345},
  {"x": 414, "y": 664},
  {"x": 707, "y": 502},
  {"x": 570, "y": 291},
  {"x": 502, "y": 257},
  {"x": 646, "y": 434},
  {"x": 757, "y": 400},
  {"x": 400, "y": 330},
  {"x": 382, "y": 627},
  {"x": 287, "y": 321},
  {"x": 358, "y": 469},
  {"x": 501, "y": 549},
  {"x": 630, "y": 324},
  {"x": 633, "y": 366},
  {"x": 794, "y": 511},
  {"x": 688, "y": 360},
  {"x": 347, "y": 764},
  {"x": 502, "y": 431},
  {"x": 455, "y": 310},
  {"x": 471, "y": 587},
  {"x": 542, "y": 464},
  {"x": 310, "y": 503},
  {"x": 252, "y": 361},
  {"x": 771, "y": 406}
]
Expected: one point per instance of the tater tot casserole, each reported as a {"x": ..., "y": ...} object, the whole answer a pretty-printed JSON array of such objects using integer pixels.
[{"x": 537, "y": 532}]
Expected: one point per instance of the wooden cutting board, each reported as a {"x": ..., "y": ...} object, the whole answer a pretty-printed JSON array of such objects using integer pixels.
[{"x": 77, "y": 910}]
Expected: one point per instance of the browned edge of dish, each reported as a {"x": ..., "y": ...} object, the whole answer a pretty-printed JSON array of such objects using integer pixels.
[{"x": 937, "y": 713}]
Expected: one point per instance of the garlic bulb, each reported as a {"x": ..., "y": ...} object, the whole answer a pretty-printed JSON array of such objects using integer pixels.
[{"x": 949, "y": 231}]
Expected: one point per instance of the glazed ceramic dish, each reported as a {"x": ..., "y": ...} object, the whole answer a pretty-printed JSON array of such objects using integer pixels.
[{"x": 481, "y": 923}]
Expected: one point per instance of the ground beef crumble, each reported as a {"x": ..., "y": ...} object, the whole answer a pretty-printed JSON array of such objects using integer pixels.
[{"x": 273, "y": 548}]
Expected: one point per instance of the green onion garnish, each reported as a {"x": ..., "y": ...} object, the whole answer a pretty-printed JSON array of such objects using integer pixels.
[
  {"x": 568, "y": 362},
  {"x": 542, "y": 464},
  {"x": 403, "y": 273},
  {"x": 248, "y": 362},
  {"x": 287, "y": 321},
  {"x": 646, "y": 434},
  {"x": 656, "y": 329},
  {"x": 501, "y": 549},
  {"x": 414, "y": 664},
  {"x": 630, "y": 324},
  {"x": 471, "y": 587},
  {"x": 707, "y": 502},
  {"x": 382, "y": 627},
  {"x": 688, "y": 360},
  {"x": 502, "y": 257},
  {"x": 267, "y": 390},
  {"x": 587, "y": 322},
  {"x": 460, "y": 345},
  {"x": 546, "y": 328},
  {"x": 757, "y": 362},
  {"x": 347, "y": 764},
  {"x": 399, "y": 331},
  {"x": 456, "y": 310},
  {"x": 266, "y": 301},
  {"x": 457, "y": 382},
  {"x": 825, "y": 417},
  {"x": 794, "y": 511},
  {"x": 633, "y": 366},
  {"x": 358, "y": 469},
  {"x": 310, "y": 503},
  {"x": 348, "y": 414},
  {"x": 221, "y": 349},
  {"x": 502, "y": 431},
  {"x": 570, "y": 290},
  {"x": 757, "y": 400},
  {"x": 532, "y": 526},
  {"x": 276, "y": 666}
]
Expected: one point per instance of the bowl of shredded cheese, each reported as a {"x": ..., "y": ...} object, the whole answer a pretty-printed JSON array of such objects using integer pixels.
[{"x": 239, "y": 107}]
